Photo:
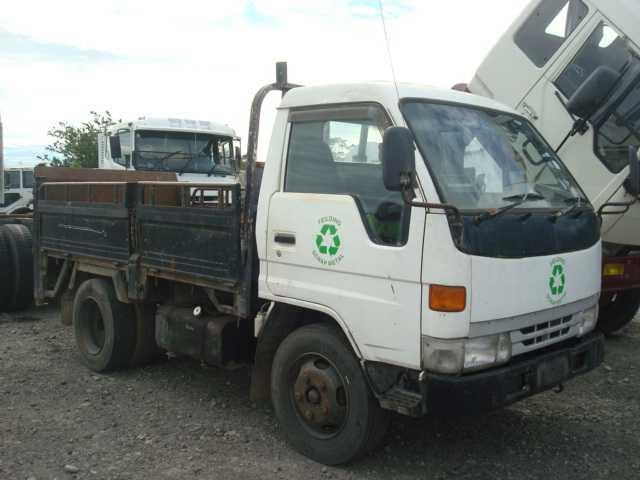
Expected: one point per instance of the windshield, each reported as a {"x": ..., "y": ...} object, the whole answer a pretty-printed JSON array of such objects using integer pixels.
[
  {"x": 12, "y": 179},
  {"x": 183, "y": 152},
  {"x": 484, "y": 159}
]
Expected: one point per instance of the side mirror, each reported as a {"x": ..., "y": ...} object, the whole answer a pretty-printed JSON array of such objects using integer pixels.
[
  {"x": 587, "y": 99},
  {"x": 632, "y": 183},
  {"x": 238, "y": 156},
  {"x": 114, "y": 146},
  {"x": 398, "y": 158}
]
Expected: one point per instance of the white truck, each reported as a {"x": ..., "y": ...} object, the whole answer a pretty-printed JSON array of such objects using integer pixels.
[
  {"x": 18, "y": 191},
  {"x": 196, "y": 150},
  {"x": 16, "y": 186},
  {"x": 423, "y": 254},
  {"x": 572, "y": 67}
]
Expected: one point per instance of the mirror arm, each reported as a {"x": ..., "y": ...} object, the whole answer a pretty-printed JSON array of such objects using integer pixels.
[{"x": 408, "y": 196}]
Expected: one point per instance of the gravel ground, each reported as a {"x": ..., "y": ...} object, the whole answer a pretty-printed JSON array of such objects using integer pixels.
[{"x": 180, "y": 420}]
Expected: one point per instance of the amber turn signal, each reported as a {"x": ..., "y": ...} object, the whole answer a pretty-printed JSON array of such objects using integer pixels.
[
  {"x": 447, "y": 299},
  {"x": 613, "y": 270}
]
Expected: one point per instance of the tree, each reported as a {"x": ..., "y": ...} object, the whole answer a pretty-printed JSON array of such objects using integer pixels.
[{"x": 77, "y": 146}]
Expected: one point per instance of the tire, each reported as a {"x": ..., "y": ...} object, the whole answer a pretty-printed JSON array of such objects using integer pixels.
[
  {"x": 19, "y": 242},
  {"x": 618, "y": 310},
  {"x": 6, "y": 266},
  {"x": 316, "y": 359},
  {"x": 104, "y": 328},
  {"x": 145, "y": 349}
]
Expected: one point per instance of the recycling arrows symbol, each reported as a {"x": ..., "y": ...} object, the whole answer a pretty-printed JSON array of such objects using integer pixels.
[
  {"x": 329, "y": 232},
  {"x": 557, "y": 281}
]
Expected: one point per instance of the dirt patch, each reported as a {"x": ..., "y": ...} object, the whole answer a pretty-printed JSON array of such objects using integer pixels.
[{"x": 177, "y": 419}]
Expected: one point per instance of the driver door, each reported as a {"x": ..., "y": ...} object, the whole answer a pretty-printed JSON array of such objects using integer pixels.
[{"x": 338, "y": 241}]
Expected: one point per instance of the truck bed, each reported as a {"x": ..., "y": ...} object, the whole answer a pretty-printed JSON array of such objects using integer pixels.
[{"x": 178, "y": 231}]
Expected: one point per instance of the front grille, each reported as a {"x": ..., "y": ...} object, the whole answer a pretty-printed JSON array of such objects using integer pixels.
[
  {"x": 542, "y": 334},
  {"x": 546, "y": 331}
]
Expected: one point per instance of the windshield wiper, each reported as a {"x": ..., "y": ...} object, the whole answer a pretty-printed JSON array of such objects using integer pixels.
[
  {"x": 168, "y": 156},
  {"x": 574, "y": 203},
  {"x": 516, "y": 200},
  {"x": 213, "y": 171},
  {"x": 185, "y": 166}
]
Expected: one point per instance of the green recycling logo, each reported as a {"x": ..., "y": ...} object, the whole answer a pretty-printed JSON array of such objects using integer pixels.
[
  {"x": 328, "y": 242},
  {"x": 557, "y": 281}
]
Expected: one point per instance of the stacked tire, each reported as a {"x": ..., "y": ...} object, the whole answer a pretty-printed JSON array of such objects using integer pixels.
[{"x": 16, "y": 268}]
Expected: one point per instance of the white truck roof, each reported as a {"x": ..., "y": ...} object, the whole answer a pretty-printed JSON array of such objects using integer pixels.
[
  {"x": 383, "y": 93},
  {"x": 179, "y": 125}
]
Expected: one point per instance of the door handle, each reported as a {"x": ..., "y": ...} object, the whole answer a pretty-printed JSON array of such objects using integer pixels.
[{"x": 285, "y": 238}]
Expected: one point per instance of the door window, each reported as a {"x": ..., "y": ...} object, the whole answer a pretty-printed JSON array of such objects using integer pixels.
[
  {"x": 603, "y": 47},
  {"x": 336, "y": 151},
  {"x": 125, "y": 148},
  {"x": 615, "y": 133},
  {"x": 550, "y": 24}
]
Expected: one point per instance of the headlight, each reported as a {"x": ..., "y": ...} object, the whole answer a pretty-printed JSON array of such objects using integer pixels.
[
  {"x": 456, "y": 356},
  {"x": 588, "y": 320}
]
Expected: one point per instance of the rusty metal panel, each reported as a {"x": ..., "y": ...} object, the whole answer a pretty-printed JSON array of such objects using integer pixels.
[
  {"x": 190, "y": 240},
  {"x": 64, "y": 174},
  {"x": 84, "y": 219}
]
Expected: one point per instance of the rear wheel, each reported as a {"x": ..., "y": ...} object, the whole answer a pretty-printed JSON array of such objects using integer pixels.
[
  {"x": 6, "y": 266},
  {"x": 104, "y": 328},
  {"x": 321, "y": 398},
  {"x": 617, "y": 310}
]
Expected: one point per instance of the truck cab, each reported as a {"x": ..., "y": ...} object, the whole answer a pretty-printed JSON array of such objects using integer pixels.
[
  {"x": 486, "y": 256},
  {"x": 574, "y": 71},
  {"x": 196, "y": 150},
  {"x": 18, "y": 191}
]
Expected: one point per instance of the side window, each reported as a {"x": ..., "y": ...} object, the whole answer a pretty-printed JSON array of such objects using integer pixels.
[
  {"x": 614, "y": 134},
  {"x": 12, "y": 179},
  {"x": 544, "y": 32},
  {"x": 336, "y": 151},
  {"x": 603, "y": 47},
  {"x": 125, "y": 148},
  {"x": 27, "y": 179}
]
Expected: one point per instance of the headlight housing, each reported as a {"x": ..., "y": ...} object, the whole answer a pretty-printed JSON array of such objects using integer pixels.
[
  {"x": 588, "y": 320},
  {"x": 465, "y": 355}
]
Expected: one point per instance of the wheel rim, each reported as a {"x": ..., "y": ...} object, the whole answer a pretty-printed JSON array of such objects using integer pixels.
[
  {"x": 93, "y": 334},
  {"x": 319, "y": 396}
]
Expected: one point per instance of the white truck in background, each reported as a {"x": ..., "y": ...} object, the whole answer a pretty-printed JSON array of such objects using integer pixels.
[
  {"x": 18, "y": 191},
  {"x": 16, "y": 186},
  {"x": 197, "y": 151},
  {"x": 572, "y": 67}
]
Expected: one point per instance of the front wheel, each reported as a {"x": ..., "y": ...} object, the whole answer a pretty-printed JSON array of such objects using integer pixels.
[
  {"x": 322, "y": 399},
  {"x": 617, "y": 310}
]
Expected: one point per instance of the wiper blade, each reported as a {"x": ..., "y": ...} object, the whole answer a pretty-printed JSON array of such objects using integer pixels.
[
  {"x": 185, "y": 166},
  {"x": 216, "y": 167},
  {"x": 516, "y": 200},
  {"x": 574, "y": 203}
]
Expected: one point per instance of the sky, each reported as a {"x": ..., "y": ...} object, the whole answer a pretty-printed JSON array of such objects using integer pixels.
[{"x": 205, "y": 59}]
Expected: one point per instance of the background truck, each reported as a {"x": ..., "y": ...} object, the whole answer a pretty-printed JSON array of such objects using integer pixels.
[
  {"x": 16, "y": 185},
  {"x": 199, "y": 151},
  {"x": 395, "y": 254},
  {"x": 572, "y": 67}
]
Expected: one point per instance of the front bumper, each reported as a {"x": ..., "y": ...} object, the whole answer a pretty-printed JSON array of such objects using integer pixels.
[
  {"x": 415, "y": 394},
  {"x": 522, "y": 377}
]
